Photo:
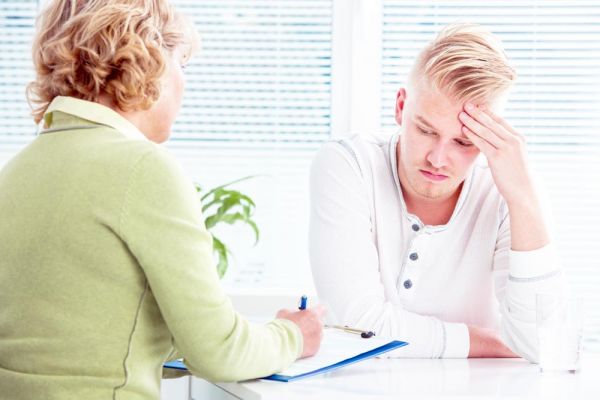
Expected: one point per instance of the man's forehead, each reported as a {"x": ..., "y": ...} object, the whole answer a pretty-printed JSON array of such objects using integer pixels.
[{"x": 430, "y": 102}]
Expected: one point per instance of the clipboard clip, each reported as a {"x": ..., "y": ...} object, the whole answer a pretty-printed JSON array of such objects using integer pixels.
[{"x": 363, "y": 334}]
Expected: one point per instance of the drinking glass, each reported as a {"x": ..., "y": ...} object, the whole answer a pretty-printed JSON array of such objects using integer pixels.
[{"x": 559, "y": 329}]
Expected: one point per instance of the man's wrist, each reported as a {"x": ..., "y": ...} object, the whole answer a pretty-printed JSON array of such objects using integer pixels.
[
  {"x": 527, "y": 224},
  {"x": 527, "y": 201}
]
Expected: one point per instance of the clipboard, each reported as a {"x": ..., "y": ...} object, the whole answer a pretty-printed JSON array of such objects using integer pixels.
[
  {"x": 338, "y": 349},
  {"x": 282, "y": 377}
]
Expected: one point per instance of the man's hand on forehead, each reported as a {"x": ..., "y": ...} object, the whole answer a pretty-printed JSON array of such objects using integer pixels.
[{"x": 504, "y": 148}]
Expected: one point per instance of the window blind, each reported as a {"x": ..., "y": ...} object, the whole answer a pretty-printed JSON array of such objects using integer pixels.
[
  {"x": 262, "y": 76},
  {"x": 555, "y": 48},
  {"x": 17, "y": 20},
  {"x": 258, "y": 102}
]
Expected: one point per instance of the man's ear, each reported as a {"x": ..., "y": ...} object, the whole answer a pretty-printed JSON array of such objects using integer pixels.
[{"x": 400, "y": 100}]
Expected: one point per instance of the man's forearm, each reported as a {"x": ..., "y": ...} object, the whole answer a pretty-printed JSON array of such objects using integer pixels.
[
  {"x": 485, "y": 343},
  {"x": 527, "y": 226}
]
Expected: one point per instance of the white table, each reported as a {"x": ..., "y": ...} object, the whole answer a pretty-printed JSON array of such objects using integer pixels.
[{"x": 430, "y": 379}]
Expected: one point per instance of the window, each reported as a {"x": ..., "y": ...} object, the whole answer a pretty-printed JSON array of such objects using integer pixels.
[
  {"x": 17, "y": 19},
  {"x": 555, "y": 48},
  {"x": 258, "y": 102}
]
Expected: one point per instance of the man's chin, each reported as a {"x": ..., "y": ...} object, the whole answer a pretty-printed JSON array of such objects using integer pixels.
[
  {"x": 434, "y": 195},
  {"x": 437, "y": 192}
]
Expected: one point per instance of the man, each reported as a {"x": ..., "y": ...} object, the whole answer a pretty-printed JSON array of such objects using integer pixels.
[{"x": 416, "y": 236}]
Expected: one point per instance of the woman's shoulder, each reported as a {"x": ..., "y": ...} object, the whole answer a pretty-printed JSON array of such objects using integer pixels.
[
  {"x": 125, "y": 154},
  {"x": 155, "y": 162},
  {"x": 118, "y": 163}
]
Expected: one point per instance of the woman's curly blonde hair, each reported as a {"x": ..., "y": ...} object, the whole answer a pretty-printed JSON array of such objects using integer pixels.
[{"x": 86, "y": 48}]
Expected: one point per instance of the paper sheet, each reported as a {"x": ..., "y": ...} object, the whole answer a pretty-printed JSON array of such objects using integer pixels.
[{"x": 336, "y": 346}]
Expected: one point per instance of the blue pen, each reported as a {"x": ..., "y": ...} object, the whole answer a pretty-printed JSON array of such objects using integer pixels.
[{"x": 303, "y": 301}]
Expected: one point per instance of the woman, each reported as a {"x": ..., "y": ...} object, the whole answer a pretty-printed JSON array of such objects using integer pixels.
[{"x": 106, "y": 269}]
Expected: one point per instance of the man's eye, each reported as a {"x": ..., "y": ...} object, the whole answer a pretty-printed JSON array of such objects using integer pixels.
[
  {"x": 425, "y": 131},
  {"x": 463, "y": 143}
]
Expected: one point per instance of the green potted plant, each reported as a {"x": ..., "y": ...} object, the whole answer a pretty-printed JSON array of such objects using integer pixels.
[{"x": 221, "y": 205}]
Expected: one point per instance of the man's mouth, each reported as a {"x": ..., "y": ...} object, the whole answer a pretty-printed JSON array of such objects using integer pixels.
[{"x": 433, "y": 176}]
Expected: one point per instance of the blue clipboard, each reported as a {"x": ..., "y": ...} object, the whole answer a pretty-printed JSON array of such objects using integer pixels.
[
  {"x": 395, "y": 344},
  {"x": 360, "y": 357},
  {"x": 177, "y": 364}
]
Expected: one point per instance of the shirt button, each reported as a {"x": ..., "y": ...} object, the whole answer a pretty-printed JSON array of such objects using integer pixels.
[
  {"x": 415, "y": 228},
  {"x": 407, "y": 284},
  {"x": 414, "y": 256}
]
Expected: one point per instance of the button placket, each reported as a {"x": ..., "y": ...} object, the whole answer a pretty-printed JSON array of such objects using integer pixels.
[
  {"x": 411, "y": 268},
  {"x": 412, "y": 265}
]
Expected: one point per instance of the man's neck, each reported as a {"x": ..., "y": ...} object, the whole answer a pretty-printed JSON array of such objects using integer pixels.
[{"x": 431, "y": 211}]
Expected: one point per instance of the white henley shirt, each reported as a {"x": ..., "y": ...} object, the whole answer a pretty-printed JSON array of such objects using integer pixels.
[{"x": 380, "y": 268}]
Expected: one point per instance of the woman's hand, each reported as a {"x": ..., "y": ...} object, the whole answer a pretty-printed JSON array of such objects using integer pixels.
[{"x": 310, "y": 322}]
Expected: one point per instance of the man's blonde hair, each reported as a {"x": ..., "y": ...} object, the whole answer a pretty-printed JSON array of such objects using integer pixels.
[
  {"x": 85, "y": 48},
  {"x": 465, "y": 62}
]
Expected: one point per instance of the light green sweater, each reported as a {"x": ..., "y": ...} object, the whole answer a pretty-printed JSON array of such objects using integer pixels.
[{"x": 106, "y": 268}]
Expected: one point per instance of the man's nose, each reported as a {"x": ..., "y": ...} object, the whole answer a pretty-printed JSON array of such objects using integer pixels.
[{"x": 438, "y": 156}]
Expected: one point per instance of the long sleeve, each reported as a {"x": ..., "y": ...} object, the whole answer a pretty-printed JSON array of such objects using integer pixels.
[
  {"x": 162, "y": 226},
  {"x": 518, "y": 276},
  {"x": 345, "y": 264}
]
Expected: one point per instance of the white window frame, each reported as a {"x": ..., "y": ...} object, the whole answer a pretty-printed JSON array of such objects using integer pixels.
[{"x": 356, "y": 67}]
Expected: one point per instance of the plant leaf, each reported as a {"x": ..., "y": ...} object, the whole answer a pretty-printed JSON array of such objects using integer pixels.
[
  {"x": 221, "y": 250},
  {"x": 227, "y": 184},
  {"x": 255, "y": 229},
  {"x": 221, "y": 205}
]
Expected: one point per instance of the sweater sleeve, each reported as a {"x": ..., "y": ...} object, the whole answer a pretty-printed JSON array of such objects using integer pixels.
[
  {"x": 518, "y": 276},
  {"x": 345, "y": 264},
  {"x": 162, "y": 226}
]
